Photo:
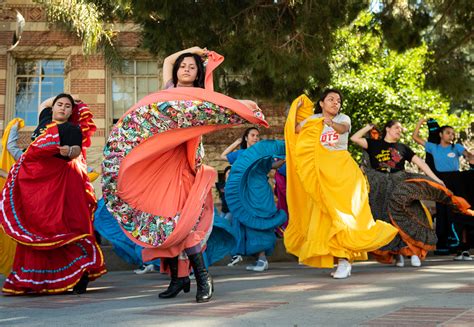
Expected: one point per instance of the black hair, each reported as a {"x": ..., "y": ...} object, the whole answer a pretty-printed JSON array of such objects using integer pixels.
[
  {"x": 243, "y": 144},
  {"x": 441, "y": 130},
  {"x": 46, "y": 115},
  {"x": 389, "y": 124},
  {"x": 64, "y": 95},
  {"x": 199, "y": 81},
  {"x": 226, "y": 169},
  {"x": 317, "y": 108}
]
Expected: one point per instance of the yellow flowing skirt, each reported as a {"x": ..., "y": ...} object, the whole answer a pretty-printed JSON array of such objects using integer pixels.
[
  {"x": 7, "y": 245},
  {"x": 327, "y": 198}
]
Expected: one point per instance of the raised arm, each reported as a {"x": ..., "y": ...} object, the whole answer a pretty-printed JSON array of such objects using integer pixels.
[
  {"x": 230, "y": 148},
  {"x": 299, "y": 125},
  {"x": 171, "y": 59},
  {"x": 358, "y": 137},
  {"x": 48, "y": 103},
  {"x": 469, "y": 156},
  {"x": 425, "y": 168},
  {"x": 416, "y": 132}
]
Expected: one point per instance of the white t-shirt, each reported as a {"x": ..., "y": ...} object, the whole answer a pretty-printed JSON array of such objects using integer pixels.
[{"x": 331, "y": 139}]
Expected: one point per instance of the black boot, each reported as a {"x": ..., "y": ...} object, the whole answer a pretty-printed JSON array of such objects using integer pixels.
[
  {"x": 81, "y": 286},
  {"x": 177, "y": 284},
  {"x": 205, "y": 287}
]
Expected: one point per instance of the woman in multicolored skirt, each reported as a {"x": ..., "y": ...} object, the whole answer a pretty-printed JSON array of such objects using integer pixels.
[
  {"x": 395, "y": 195},
  {"x": 154, "y": 181}
]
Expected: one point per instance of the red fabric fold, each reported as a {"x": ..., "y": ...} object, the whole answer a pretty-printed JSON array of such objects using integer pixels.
[{"x": 47, "y": 206}]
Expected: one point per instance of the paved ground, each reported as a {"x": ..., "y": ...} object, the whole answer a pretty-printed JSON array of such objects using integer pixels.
[{"x": 441, "y": 293}]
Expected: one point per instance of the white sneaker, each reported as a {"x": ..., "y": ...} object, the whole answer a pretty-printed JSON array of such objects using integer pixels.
[
  {"x": 400, "y": 261},
  {"x": 235, "y": 260},
  {"x": 464, "y": 256},
  {"x": 144, "y": 269},
  {"x": 415, "y": 261},
  {"x": 343, "y": 269},
  {"x": 260, "y": 266}
]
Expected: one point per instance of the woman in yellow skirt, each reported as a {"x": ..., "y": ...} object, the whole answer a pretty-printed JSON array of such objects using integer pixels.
[
  {"x": 326, "y": 191},
  {"x": 10, "y": 154}
]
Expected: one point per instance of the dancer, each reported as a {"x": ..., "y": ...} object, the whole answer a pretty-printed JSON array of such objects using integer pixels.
[
  {"x": 10, "y": 154},
  {"x": 251, "y": 201},
  {"x": 56, "y": 248},
  {"x": 446, "y": 155},
  {"x": 160, "y": 192},
  {"x": 395, "y": 195},
  {"x": 326, "y": 191},
  {"x": 250, "y": 136}
]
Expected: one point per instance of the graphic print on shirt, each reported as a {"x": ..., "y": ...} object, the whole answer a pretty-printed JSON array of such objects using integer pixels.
[
  {"x": 329, "y": 138},
  {"x": 388, "y": 159},
  {"x": 451, "y": 155}
]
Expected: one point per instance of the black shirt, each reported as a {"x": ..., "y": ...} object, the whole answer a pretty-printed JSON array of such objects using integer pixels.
[
  {"x": 46, "y": 117},
  {"x": 388, "y": 157},
  {"x": 69, "y": 134}
]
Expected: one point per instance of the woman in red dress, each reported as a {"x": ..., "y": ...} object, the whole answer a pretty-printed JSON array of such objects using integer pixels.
[{"x": 47, "y": 206}]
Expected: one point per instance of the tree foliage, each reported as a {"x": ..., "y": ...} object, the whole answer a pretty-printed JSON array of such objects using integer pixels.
[
  {"x": 380, "y": 84},
  {"x": 271, "y": 47},
  {"x": 276, "y": 48},
  {"x": 446, "y": 27},
  {"x": 83, "y": 18}
]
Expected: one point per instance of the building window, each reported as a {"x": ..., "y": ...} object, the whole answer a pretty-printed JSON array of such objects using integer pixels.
[
  {"x": 36, "y": 81},
  {"x": 135, "y": 80}
]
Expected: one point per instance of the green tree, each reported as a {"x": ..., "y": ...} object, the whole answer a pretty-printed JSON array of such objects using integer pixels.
[
  {"x": 447, "y": 28},
  {"x": 380, "y": 84},
  {"x": 276, "y": 48},
  {"x": 271, "y": 47}
]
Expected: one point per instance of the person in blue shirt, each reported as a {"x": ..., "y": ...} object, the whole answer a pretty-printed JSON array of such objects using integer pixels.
[
  {"x": 250, "y": 137},
  {"x": 446, "y": 155}
]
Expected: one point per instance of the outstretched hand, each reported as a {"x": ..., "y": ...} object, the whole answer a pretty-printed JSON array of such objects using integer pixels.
[
  {"x": 64, "y": 150},
  {"x": 199, "y": 51},
  {"x": 422, "y": 121},
  {"x": 252, "y": 105}
]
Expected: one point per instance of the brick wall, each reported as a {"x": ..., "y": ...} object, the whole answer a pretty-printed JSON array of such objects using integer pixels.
[{"x": 91, "y": 62}]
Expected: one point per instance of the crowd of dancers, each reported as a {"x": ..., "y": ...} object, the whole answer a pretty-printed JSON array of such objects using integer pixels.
[{"x": 157, "y": 203}]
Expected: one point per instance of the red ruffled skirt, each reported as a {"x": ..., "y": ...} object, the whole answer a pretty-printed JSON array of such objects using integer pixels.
[{"x": 47, "y": 206}]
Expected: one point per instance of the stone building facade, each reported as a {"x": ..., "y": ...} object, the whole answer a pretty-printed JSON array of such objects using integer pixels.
[{"x": 49, "y": 60}]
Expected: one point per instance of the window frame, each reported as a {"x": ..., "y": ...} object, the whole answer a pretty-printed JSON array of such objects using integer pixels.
[
  {"x": 114, "y": 74},
  {"x": 11, "y": 80}
]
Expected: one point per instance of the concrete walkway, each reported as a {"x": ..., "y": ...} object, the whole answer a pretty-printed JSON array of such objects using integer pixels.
[{"x": 440, "y": 293}]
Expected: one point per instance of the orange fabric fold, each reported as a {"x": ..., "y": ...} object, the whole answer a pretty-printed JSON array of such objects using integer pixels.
[{"x": 461, "y": 203}]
